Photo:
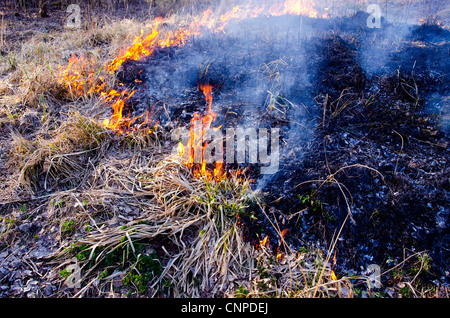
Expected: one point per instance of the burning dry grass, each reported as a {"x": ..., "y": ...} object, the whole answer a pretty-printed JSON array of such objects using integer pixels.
[
  {"x": 204, "y": 238},
  {"x": 150, "y": 198},
  {"x": 198, "y": 218}
]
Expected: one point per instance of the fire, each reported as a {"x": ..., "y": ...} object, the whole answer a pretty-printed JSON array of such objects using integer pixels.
[
  {"x": 200, "y": 125},
  {"x": 284, "y": 232},
  {"x": 139, "y": 49},
  {"x": 294, "y": 7},
  {"x": 264, "y": 241},
  {"x": 145, "y": 46},
  {"x": 280, "y": 254},
  {"x": 81, "y": 76},
  {"x": 333, "y": 276},
  {"x": 117, "y": 120},
  {"x": 207, "y": 91},
  {"x": 237, "y": 13}
]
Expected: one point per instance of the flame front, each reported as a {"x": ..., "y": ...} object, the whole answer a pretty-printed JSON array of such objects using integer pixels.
[
  {"x": 81, "y": 76},
  {"x": 143, "y": 47},
  {"x": 294, "y": 7}
]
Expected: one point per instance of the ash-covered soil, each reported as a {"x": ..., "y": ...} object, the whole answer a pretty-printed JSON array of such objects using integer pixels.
[{"x": 391, "y": 117}]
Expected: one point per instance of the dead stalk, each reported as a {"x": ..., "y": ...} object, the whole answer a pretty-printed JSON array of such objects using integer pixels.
[{"x": 398, "y": 158}]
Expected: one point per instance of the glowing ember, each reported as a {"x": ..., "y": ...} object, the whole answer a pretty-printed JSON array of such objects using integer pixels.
[
  {"x": 280, "y": 254},
  {"x": 333, "y": 275},
  {"x": 284, "y": 232}
]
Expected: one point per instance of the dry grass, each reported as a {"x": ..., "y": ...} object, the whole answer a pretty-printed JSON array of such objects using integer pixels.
[
  {"x": 174, "y": 206},
  {"x": 204, "y": 253},
  {"x": 64, "y": 156}
]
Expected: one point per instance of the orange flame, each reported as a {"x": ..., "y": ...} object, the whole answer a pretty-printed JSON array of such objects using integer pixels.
[
  {"x": 333, "y": 276},
  {"x": 142, "y": 47},
  {"x": 294, "y": 7},
  {"x": 264, "y": 241},
  {"x": 280, "y": 256},
  {"x": 197, "y": 143},
  {"x": 79, "y": 77},
  {"x": 284, "y": 232},
  {"x": 117, "y": 121}
]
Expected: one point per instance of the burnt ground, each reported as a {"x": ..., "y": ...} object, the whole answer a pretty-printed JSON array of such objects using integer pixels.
[
  {"x": 368, "y": 107},
  {"x": 387, "y": 125}
]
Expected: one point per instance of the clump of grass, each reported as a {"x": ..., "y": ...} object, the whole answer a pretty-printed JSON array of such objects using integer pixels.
[
  {"x": 8, "y": 226},
  {"x": 68, "y": 227},
  {"x": 143, "y": 271},
  {"x": 187, "y": 212},
  {"x": 64, "y": 156},
  {"x": 140, "y": 267}
]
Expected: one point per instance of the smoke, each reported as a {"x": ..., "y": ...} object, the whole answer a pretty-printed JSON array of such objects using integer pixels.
[
  {"x": 415, "y": 52},
  {"x": 439, "y": 105},
  {"x": 263, "y": 74},
  {"x": 378, "y": 46}
]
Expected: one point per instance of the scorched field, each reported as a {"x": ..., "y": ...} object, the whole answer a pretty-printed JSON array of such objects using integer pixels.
[{"x": 250, "y": 149}]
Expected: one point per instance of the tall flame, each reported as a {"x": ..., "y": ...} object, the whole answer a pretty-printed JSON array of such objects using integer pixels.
[{"x": 195, "y": 155}]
